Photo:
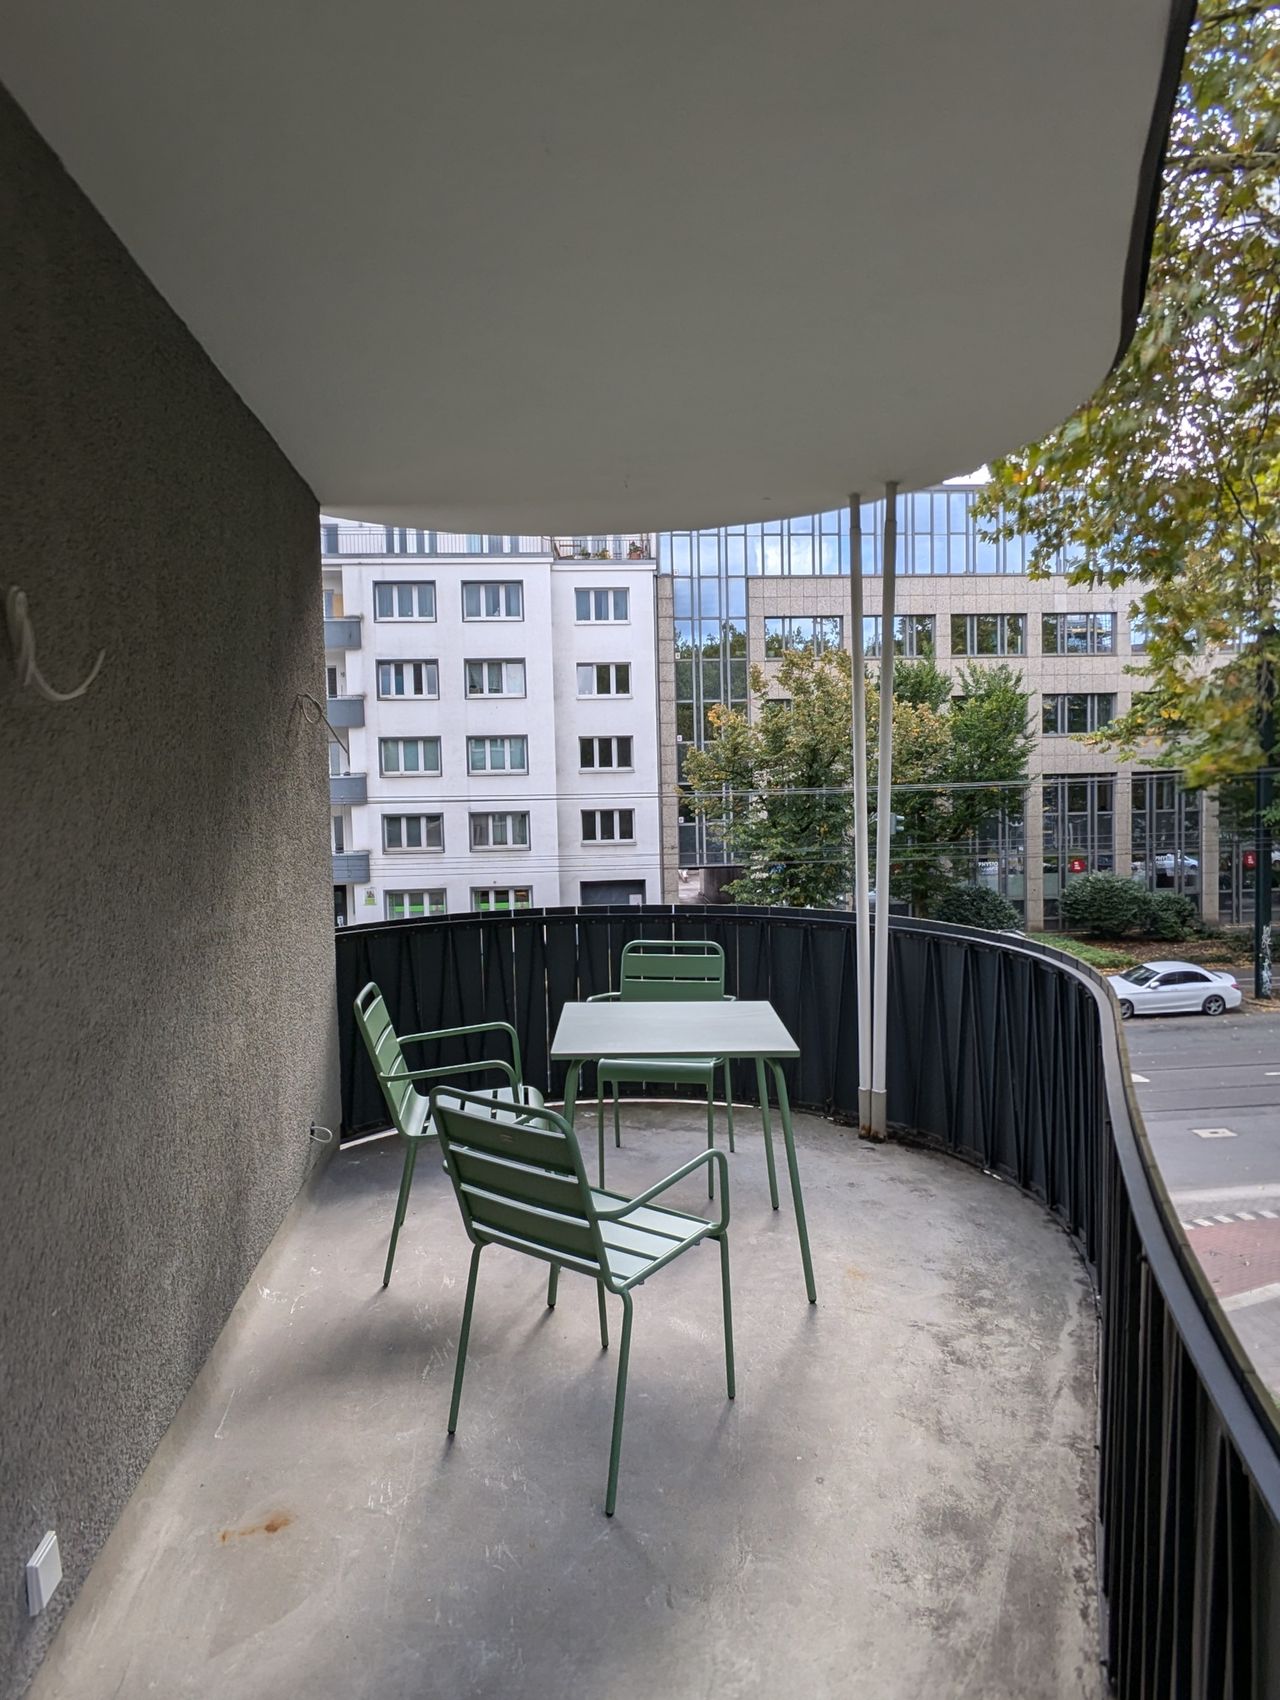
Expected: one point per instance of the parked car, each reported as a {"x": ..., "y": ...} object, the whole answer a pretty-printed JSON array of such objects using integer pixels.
[{"x": 1174, "y": 988}]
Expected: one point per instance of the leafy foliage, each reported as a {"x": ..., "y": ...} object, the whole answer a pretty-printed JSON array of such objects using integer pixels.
[
  {"x": 1168, "y": 479},
  {"x": 1170, "y": 915},
  {"x": 778, "y": 790},
  {"x": 975, "y": 906},
  {"x": 1105, "y": 905}
]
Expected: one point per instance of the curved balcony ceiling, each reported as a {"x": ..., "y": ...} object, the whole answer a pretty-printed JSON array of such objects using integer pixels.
[{"x": 580, "y": 266}]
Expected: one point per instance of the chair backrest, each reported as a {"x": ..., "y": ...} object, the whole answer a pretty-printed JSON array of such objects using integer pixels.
[
  {"x": 519, "y": 1178},
  {"x": 671, "y": 971},
  {"x": 384, "y": 1053}
]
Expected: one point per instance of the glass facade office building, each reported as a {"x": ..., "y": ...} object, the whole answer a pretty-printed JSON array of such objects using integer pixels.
[{"x": 737, "y": 595}]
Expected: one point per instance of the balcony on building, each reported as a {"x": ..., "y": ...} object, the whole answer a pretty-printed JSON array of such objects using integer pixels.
[
  {"x": 342, "y": 632},
  {"x": 634, "y": 546},
  {"x": 348, "y": 788},
  {"x": 345, "y": 712},
  {"x": 351, "y": 867}
]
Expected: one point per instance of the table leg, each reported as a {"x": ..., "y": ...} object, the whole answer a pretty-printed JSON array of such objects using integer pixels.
[
  {"x": 784, "y": 1115},
  {"x": 762, "y": 1088},
  {"x": 571, "y": 1089}
]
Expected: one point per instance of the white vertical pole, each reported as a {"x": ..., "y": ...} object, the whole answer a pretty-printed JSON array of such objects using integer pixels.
[
  {"x": 861, "y": 855},
  {"x": 884, "y": 835}
]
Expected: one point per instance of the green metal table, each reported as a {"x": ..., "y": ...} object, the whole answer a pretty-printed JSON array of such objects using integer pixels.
[{"x": 747, "y": 1030}]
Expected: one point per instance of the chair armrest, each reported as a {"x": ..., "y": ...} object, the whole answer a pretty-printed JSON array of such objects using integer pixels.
[
  {"x": 704, "y": 1157},
  {"x": 452, "y": 1069},
  {"x": 466, "y": 1032},
  {"x": 458, "y": 1032},
  {"x": 604, "y": 997}
]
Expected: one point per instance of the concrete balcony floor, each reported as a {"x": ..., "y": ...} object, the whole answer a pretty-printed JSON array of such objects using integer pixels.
[{"x": 899, "y": 1502}]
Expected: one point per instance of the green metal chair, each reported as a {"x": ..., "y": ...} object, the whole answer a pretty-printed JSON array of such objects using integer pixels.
[
  {"x": 520, "y": 1182},
  {"x": 666, "y": 971},
  {"x": 410, "y": 1110}
]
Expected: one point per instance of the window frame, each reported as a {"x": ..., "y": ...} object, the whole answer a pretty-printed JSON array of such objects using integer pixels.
[
  {"x": 596, "y": 816},
  {"x": 596, "y": 694},
  {"x": 592, "y": 591},
  {"x": 495, "y": 661},
  {"x": 489, "y": 816},
  {"x": 1061, "y": 701},
  {"x": 435, "y": 772},
  {"x": 506, "y": 739},
  {"x": 430, "y": 907},
  {"x": 970, "y": 625},
  {"x": 508, "y": 908},
  {"x": 431, "y": 670},
  {"x": 417, "y": 586},
  {"x": 613, "y": 739},
  {"x": 503, "y": 586},
  {"x": 423, "y": 849}
]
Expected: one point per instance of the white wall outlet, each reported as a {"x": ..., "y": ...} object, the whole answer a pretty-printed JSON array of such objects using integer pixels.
[{"x": 44, "y": 1572}]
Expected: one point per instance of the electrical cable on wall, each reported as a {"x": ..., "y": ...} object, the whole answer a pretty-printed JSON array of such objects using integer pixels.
[{"x": 22, "y": 638}]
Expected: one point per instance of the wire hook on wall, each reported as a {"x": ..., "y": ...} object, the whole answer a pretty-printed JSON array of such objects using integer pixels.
[
  {"x": 22, "y": 637},
  {"x": 314, "y": 715}
]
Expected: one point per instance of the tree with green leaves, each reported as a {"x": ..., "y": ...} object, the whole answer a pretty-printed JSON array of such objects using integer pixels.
[
  {"x": 777, "y": 789},
  {"x": 1168, "y": 478}
]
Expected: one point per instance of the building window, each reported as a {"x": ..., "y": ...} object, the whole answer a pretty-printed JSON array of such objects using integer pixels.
[
  {"x": 331, "y": 601},
  {"x": 397, "y": 756},
  {"x": 912, "y": 635},
  {"x": 1165, "y": 822},
  {"x": 337, "y": 759},
  {"x": 497, "y": 755},
  {"x": 1139, "y": 632},
  {"x": 1078, "y": 711},
  {"x": 1079, "y": 833},
  {"x": 413, "y": 905},
  {"x": 608, "y": 826},
  {"x": 601, "y": 607},
  {"x": 493, "y": 601},
  {"x": 332, "y": 683},
  {"x": 608, "y": 753},
  {"x": 339, "y": 836},
  {"x": 413, "y": 832},
  {"x": 489, "y": 900},
  {"x": 812, "y": 634},
  {"x": 504, "y": 830},
  {"x": 495, "y": 678},
  {"x": 404, "y": 601},
  {"x": 408, "y": 679},
  {"x": 604, "y": 679},
  {"x": 988, "y": 634},
  {"x": 1078, "y": 634}
]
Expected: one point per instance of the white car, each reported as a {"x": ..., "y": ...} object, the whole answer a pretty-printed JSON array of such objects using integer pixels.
[{"x": 1174, "y": 988}]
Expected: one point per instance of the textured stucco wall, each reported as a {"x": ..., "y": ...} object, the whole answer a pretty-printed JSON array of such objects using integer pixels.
[{"x": 166, "y": 964}]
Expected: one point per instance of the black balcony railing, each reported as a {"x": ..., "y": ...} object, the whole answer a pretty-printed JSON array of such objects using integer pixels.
[{"x": 1008, "y": 1056}]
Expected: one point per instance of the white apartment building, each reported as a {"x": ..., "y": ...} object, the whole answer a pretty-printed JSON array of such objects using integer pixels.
[{"x": 497, "y": 697}]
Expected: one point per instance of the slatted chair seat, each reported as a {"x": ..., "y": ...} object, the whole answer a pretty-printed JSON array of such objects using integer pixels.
[
  {"x": 410, "y": 1110},
  {"x": 518, "y": 1175}
]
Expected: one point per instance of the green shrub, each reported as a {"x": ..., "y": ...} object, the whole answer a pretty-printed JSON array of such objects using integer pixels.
[
  {"x": 975, "y": 906},
  {"x": 1170, "y": 916},
  {"x": 1105, "y": 905}
]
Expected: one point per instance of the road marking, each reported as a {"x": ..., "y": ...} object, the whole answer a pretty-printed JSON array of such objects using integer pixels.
[
  {"x": 1270, "y": 1215},
  {"x": 1272, "y": 1072},
  {"x": 1227, "y": 1219},
  {"x": 1220, "y": 1194},
  {"x": 1140, "y": 1079},
  {"x": 1245, "y": 1216},
  {"x": 1214, "y": 1132},
  {"x": 1203, "y": 1222},
  {"x": 1256, "y": 1296}
]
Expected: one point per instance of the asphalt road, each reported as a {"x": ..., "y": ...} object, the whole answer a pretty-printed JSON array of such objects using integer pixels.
[{"x": 1222, "y": 1078}]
